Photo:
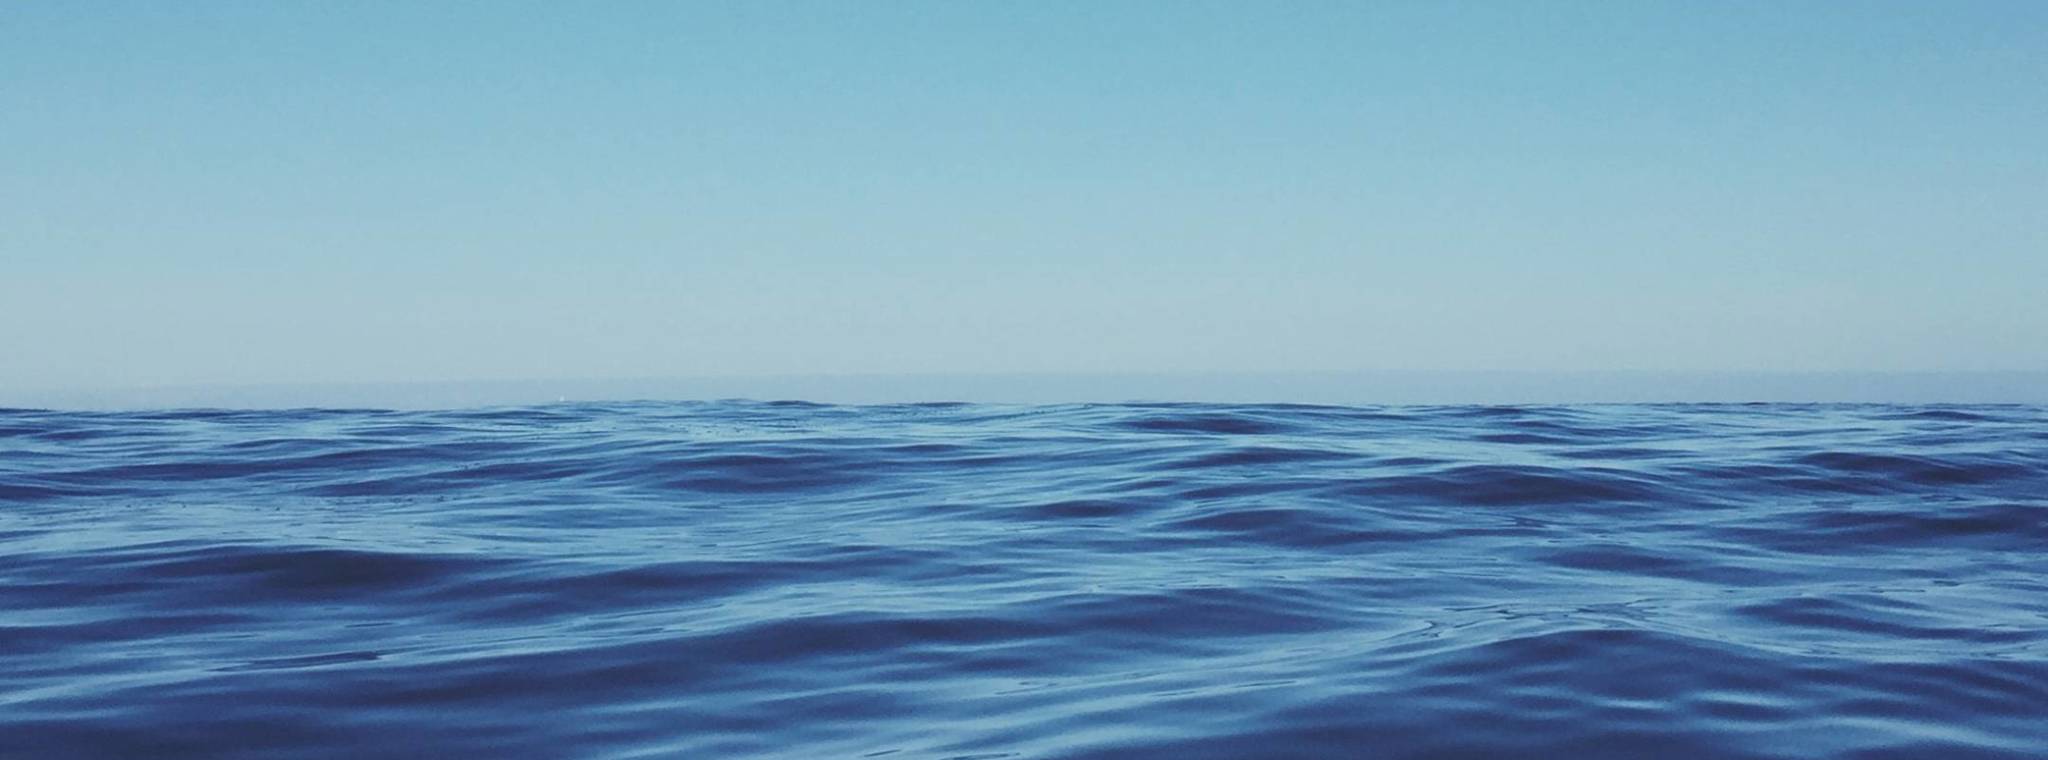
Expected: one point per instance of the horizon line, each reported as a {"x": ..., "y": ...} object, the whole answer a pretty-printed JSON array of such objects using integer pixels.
[{"x": 1394, "y": 387}]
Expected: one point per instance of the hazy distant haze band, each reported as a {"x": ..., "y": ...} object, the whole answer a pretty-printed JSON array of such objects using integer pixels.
[{"x": 1414, "y": 387}]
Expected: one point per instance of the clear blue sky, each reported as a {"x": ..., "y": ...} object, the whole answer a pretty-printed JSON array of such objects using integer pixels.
[{"x": 222, "y": 192}]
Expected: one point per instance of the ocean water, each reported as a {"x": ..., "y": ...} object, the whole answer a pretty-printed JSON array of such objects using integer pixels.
[{"x": 785, "y": 580}]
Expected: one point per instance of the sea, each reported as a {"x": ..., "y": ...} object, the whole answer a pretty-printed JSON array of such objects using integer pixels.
[{"x": 741, "y": 579}]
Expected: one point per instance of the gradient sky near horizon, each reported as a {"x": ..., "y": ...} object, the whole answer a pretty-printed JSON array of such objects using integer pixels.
[{"x": 257, "y": 192}]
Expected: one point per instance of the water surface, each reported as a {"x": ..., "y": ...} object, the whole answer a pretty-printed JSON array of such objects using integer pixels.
[{"x": 741, "y": 579}]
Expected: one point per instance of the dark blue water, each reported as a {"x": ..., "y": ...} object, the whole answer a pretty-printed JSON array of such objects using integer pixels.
[{"x": 1182, "y": 581}]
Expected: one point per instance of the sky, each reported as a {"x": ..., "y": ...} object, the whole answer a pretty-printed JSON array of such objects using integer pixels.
[{"x": 375, "y": 192}]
